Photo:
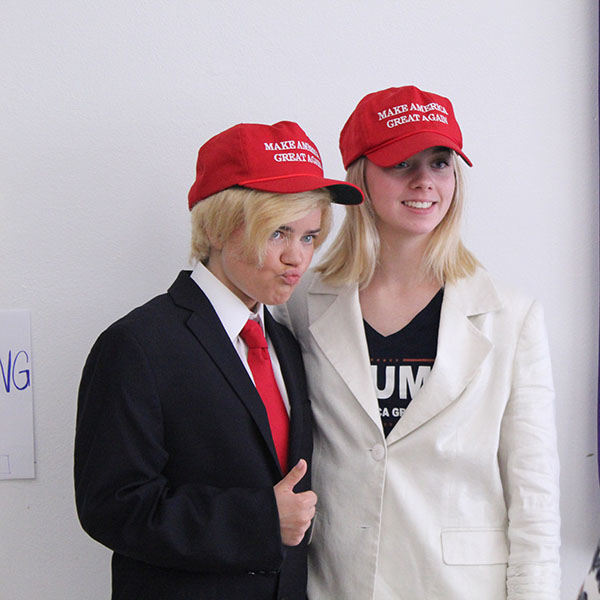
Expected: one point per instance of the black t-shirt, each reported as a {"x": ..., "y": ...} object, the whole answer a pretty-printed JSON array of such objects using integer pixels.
[{"x": 401, "y": 362}]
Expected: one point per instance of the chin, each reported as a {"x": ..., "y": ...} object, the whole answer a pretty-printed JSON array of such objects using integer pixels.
[{"x": 278, "y": 299}]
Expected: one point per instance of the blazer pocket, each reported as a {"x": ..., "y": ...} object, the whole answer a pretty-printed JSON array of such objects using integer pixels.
[{"x": 474, "y": 546}]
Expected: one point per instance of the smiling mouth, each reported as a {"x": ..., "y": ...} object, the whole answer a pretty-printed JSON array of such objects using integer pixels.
[{"x": 412, "y": 204}]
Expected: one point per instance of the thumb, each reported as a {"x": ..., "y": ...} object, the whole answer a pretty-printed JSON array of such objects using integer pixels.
[{"x": 295, "y": 475}]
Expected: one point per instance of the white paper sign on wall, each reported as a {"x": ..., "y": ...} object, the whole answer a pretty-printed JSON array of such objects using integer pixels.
[{"x": 16, "y": 396}]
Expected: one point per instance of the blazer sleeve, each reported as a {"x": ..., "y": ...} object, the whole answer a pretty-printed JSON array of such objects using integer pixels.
[
  {"x": 127, "y": 502},
  {"x": 529, "y": 467}
]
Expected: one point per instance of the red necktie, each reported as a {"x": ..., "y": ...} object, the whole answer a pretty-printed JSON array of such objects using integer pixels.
[{"x": 264, "y": 379}]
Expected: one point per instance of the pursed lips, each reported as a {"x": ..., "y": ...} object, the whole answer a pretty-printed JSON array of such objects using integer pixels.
[{"x": 291, "y": 277}]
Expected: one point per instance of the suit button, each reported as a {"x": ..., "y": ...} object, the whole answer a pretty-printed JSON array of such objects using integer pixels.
[{"x": 378, "y": 452}]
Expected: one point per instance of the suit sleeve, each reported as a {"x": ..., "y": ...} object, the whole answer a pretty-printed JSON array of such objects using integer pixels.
[
  {"x": 125, "y": 500},
  {"x": 529, "y": 466}
]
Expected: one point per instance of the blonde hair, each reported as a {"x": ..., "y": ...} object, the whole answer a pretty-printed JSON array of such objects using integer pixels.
[
  {"x": 354, "y": 253},
  {"x": 218, "y": 216}
]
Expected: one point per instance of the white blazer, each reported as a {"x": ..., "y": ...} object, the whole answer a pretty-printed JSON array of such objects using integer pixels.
[{"x": 460, "y": 501}]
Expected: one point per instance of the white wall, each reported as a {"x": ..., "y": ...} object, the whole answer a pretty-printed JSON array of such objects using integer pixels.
[{"x": 104, "y": 106}]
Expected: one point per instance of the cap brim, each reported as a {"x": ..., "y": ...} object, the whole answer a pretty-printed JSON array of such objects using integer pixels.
[
  {"x": 398, "y": 150},
  {"x": 341, "y": 191}
]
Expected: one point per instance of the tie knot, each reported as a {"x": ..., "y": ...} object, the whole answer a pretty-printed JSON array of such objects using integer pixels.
[{"x": 253, "y": 335}]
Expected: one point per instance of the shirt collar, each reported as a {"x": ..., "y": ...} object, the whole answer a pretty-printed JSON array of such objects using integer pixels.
[{"x": 232, "y": 312}]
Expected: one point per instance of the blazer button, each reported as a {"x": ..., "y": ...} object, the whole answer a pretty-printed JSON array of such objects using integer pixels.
[{"x": 378, "y": 452}]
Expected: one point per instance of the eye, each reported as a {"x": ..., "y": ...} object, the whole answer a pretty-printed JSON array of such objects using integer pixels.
[
  {"x": 277, "y": 235},
  {"x": 309, "y": 238},
  {"x": 441, "y": 163},
  {"x": 441, "y": 160},
  {"x": 401, "y": 165}
]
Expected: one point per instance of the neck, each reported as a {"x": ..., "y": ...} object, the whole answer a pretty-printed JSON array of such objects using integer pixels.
[
  {"x": 401, "y": 259},
  {"x": 399, "y": 289}
]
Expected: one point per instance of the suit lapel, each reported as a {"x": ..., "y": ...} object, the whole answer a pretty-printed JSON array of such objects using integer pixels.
[
  {"x": 337, "y": 327},
  {"x": 292, "y": 375},
  {"x": 208, "y": 330},
  {"x": 462, "y": 348}
]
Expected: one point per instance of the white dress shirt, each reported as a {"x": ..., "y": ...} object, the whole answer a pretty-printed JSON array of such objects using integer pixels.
[{"x": 233, "y": 314}]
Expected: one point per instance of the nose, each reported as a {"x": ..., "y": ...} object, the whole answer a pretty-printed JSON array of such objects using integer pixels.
[
  {"x": 421, "y": 178},
  {"x": 295, "y": 253}
]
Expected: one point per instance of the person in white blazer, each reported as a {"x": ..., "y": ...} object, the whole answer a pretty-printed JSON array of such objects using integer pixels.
[{"x": 456, "y": 496}]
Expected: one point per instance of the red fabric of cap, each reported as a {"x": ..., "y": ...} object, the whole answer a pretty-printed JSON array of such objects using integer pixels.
[
  {"x": 393, "y": 124},
  {"x": 273, "y": 158}
]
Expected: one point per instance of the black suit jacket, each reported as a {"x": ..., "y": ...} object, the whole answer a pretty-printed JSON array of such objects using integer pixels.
[{"x": 174, "y": 460}]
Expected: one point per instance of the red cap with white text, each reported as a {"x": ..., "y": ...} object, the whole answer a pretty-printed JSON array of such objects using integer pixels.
[
  {"x": 273, "y": 158},
  {"x": 391, "y": 125}
]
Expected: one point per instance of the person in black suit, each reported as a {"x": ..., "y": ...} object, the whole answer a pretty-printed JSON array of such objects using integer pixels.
[{"x": 181, "y": 467}]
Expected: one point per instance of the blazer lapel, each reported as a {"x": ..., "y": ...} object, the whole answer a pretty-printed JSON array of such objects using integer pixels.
[
  {"x": 208, "y": 330},
  {"x": 336, "y": 324},
  {"x": 462, "y": 348}
]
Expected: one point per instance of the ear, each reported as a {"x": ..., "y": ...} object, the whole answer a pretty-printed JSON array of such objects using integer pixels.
[{"x": 214, "y": 240}]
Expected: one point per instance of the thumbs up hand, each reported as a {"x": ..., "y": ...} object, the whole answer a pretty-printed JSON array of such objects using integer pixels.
[{"x": 295, "y": 510}]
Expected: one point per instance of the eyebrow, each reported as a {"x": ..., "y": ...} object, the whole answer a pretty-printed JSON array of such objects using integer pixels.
[{"x": 291, "y": 230}]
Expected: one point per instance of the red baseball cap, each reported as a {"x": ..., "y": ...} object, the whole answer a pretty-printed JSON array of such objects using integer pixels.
[
  {"x": 389, "y": 126},
  {"x": 273, "y": 158}
]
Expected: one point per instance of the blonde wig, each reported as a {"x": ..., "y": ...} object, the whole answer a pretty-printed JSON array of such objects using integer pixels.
[{"x": 215, "y": 218}]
